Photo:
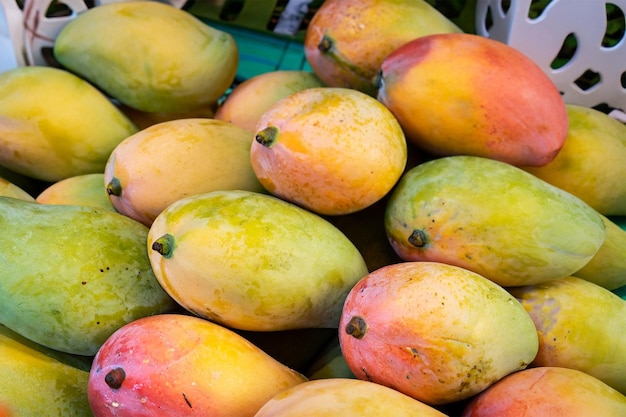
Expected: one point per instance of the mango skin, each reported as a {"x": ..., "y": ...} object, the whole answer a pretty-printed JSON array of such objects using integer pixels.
[
  {"x": 592, "y": 162},
  {"x": 362, "y": 33},
  {"x": 547, "y": 392},
  {"x": 580, "y": 326},
  {"x": 344, "y": 397},
  {"x": 247, "y": 102},
  {"x": 36, "y": 381},
  {"x": 501, "y": 105},
  {"x": 607, "y": 268},
  {"x": 174, "y": 159},
  {"x": 8, "y": 189},
  {"x": 72, "y": 275},
  {"x": 251, "y": 261},
  {"x": 55, "y": 125},
  {"x": 82, "y": 190},
  {"x": 180, "y": 365},
  {"x": 150, "y": 56},
  {"x": 433, "y": 331},
  {"x": 333, "y": 151},
  {"x": 491, "y": 218}
]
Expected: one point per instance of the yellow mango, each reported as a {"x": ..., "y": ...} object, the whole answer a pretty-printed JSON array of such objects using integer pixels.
[
  {"x": 251, "y": 261},
  {"x": 165, "y": 162},
  {"x": 83, "y": 190},
  {"x": 55, "y": 125},
  {"x": 344, "y": 397},
  {"x": 592, "y": 162},
  {"x": 580, "y": 326},
  {"x": 149, "y": 55}
]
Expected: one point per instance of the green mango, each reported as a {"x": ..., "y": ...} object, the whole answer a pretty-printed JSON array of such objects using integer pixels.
[
  {"x": 37, "y": 381},
  {"x": 492, "y": 218},
  {"x": 71, "y": 275},
  {"x": 251, "y": 261},
  {"x": 149, "y": 55},
  {"x": 55, "y": 125}
]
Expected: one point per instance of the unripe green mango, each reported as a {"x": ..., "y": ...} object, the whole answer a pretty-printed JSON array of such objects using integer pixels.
[
  {"x": 150, "y": 56},
  {"x": 55, "y": 125},
  {"x": 72, "y": 275},
  {"x": 37, "y": 381},
  {"x": 491, "y": 218},
  {"x": 251, "y": 261}
]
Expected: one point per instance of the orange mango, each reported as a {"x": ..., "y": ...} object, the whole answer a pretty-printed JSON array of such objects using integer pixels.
[
  {"x": 459, "y": 93},
  {"x": 180, "y": 365}
]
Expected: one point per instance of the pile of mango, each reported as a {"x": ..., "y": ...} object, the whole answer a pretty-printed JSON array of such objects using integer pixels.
[{"x": 418, "y": 227}]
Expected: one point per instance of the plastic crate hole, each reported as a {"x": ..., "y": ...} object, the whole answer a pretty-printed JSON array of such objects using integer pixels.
[
  {"x": 615, "y": 25},
  {"x": 588, "y": 80},
  {"x": 566, "y": 53}
]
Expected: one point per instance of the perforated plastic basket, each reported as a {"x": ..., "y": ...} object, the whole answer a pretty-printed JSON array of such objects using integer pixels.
[{"x": 578, "y": 43}]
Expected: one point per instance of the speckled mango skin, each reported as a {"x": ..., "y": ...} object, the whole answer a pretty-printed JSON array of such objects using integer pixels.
[
  {"x": 55, "y": 125},
  {"x": 180, "y": 365},
  {"x": 72, "y": 275},
  {"x": 580, "y": 326},
  {"x": 149, "y": 55},
  {"x": 464, "y": 94},
  {"x": 344, "y": 397},
  {"x": 335, "y": 151},
  {"x": 435, "y": 332},
  {"x": 251, "y": 261},
  {"x": 547, "y": 392},
  {"x": 592, "y": 162},
  {"x": 491, "y": 218},
  {"x": 35, "y": 381}
]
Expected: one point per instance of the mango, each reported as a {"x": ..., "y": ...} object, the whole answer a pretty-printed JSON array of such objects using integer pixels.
[
  {"x": 165, "y": 162},
  {"x": 435, "y": 332},
  {"x": 347, "y": 40},
  {"x": 8, "y": 189},
  {"x": 580, "y": 326},
  {"x": 180, "y": 365},
  {"x": 251, "y": 261},
  {"x": 72, "y": 275},
  {"x": 344, "y": 397},
  {"x": 547, "y": 392},
  {"x": 492, "y": 218},
  {"x": 247, "y": 102},
  {"x": 81, "y": 190},
  {"x": 464, "y": 94},
  {"x": 149, "y": 55},
  {"x": 592, "y": 162},
  {"x": 607, "y": 268},
  {"x": 37, "y": 381},
  {"x": 55, "y": 125},
  {"x": 333, "y": 151}
]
